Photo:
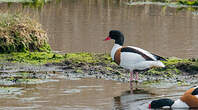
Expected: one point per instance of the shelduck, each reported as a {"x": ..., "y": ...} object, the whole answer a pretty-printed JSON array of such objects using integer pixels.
[
  {"x": 188, "y": 100},
  {"x": 130, "y": 57}
]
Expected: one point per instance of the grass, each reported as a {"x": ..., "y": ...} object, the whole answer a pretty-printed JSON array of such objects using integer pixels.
[{"x": 20, "y": 33}]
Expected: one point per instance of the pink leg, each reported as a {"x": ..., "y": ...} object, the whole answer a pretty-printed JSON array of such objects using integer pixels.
[
  {"x": 137, "y": 77},
  {"x": 131, "y": 76},
  {"x": 131, "y": 81},
  {"x": 131, "y": 87}
]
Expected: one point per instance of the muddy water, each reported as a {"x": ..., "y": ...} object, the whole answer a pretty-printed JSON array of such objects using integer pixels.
[
  {"x": 84, "y": 94},
  {"x": 81, "y": 25}
]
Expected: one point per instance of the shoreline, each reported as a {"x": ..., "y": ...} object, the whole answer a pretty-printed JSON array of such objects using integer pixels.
[{"x": 34, "y": 67}]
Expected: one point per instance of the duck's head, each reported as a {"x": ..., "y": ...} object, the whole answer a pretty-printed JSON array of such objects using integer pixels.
[
  {"x": 117, "y": 36},
  {"x": 155, "y": 104}
]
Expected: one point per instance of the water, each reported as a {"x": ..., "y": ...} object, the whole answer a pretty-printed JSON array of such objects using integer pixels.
[
  {"x": 141, "y": 100},
  {"x": 81, "y": 25},
  {"x": 84, "y": 94}
]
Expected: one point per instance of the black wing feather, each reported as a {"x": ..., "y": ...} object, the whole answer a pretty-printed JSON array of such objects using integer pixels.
[
  {"x": 132, "y": 50},
  {"x": 195, "y": 92},
  {"x": 159, "y": 57}
]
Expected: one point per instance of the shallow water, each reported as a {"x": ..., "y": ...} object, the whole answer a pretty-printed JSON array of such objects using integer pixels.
[{"x": 84, "y": 94}]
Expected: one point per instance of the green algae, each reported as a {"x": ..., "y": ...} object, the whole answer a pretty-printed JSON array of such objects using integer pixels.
[
  {"x": 32, "y": 57},
  {"x": 188, "y": 2},
  {"x": 148, "y": 82},
  {"x": 50, "y": 57},
  {"x": 91, "y": 58},
  {"x": 175, "y": 66},
  {"x": 81, "y": 57},
  {"x": 109, "y": 68},
  {"x": 79, "y": 71},
  {"x": 13, "y": 80}
]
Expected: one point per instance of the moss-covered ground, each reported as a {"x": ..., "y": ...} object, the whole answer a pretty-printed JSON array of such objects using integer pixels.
[
  {"x": 84, "y": 61},
  {"x": 98, "y": 65},
  {"x": 31, "y": 57}
]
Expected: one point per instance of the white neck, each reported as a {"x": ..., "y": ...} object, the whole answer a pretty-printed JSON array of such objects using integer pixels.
[{"x": 115, "y": 47}]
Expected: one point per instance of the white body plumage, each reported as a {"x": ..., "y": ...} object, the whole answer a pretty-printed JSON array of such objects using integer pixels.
[{"x": 132, "y": 61}]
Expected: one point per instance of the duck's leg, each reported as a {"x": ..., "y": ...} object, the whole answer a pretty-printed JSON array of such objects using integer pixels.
[
  {"x": 137, "y": 76},
  {"x": 131, "y": 76},
  {"x": 136, "y": 79},
  {"x": 131, "y": 82}
]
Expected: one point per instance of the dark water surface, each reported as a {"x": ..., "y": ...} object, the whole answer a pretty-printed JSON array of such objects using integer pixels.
[{"x": 81, "y": 25}]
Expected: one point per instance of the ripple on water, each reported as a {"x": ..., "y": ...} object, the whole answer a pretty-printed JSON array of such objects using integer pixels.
[
  {"x": 13, "y": 91},
  {"x": 174, "y": 5},
  {"x": 71, "y": 91}
]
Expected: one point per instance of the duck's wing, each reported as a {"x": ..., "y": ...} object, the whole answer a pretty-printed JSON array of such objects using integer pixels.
[
  {"x": 195, "y": 92},
  {"x": 143, "y": 53}
]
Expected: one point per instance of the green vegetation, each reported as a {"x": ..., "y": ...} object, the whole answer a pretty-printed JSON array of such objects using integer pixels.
[
  {"x": 32, "y": 57},
  {"x": 29, "y": 3},
  {"x": 77, "y": 61},
  {"x": 175, "y": 66},
  {"x": 81, "y": 57},
  {"x": 19, "y": 33},
  {"x": 188, "y": 2},
  {"x": 49, "y": 57},
  {"x": 35, "y": 3},
  {"x": 90, "y": 58}
]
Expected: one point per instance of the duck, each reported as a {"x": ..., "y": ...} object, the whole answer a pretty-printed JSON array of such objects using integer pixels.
[
  {"x": 188, "y": 100},
  {"x": 130, "y": 57}
]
